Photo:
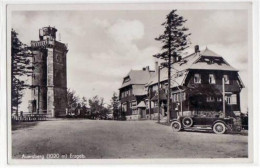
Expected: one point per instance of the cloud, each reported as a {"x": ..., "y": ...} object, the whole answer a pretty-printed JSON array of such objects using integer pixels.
[
  {"x": 105, "y": 45},
  {"x": 101, "y": 22},
  {"x": 124, "y": 31},
  {"x": 103, "y": 69}
]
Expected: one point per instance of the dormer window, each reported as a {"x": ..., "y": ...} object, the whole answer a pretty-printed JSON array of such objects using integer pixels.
[
  {"x": 197, "y": 78},
  {"x": 212, "y": 79},
  {"x": 226, "y": 79},
  {"x": 210, "y": 99},
  {"x": 126, "y": 79}
]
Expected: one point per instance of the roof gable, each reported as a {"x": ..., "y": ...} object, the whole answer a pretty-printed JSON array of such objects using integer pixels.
[
  {"x": 209, "y": 53},
  {"x": 192, "y": 61},
  {"x": 138, "y": 77}
]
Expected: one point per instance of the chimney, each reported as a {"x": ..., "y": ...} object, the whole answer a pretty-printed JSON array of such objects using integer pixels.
[
  {"x": 197, "y": 48},
  {"x": 156, "y": 66}
]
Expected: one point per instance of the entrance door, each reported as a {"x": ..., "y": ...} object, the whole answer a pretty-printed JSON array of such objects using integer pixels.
[{"x": 143, "y": 113}]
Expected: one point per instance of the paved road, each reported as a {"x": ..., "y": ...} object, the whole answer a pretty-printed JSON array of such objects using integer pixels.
[{"x": 122, "y": 139}]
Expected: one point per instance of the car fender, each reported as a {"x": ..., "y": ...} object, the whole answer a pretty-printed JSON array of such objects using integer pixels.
[
  {"x": 219, "y": 121},
  {"x": 174, "y": 120}
]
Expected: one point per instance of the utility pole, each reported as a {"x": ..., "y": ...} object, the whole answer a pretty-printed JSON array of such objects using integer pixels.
[
  {"x": 223, "y": 94},
  {"x": 149, "y": 102},
  {"x": 38, "y": 110},
  {"x": 159, "y": 111},
  {"x": 181, "y": 98}
]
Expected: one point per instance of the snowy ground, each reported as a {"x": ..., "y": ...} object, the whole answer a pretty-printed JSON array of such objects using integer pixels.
[{"x": 120, "y": 139}]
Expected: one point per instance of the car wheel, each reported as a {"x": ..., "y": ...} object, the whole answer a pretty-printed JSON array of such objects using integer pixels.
[
  {"x": 238, "y": 128},
  {"x": 187, "y": 122},
  {"x": 176, "y": 126},
  {"x": 219, "y": 128}
]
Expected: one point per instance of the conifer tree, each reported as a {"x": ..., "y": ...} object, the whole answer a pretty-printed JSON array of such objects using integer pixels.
[
  {"x": 174, "y": 40},
  {"x": 115, "y": 106},
  {"x": 21, "y": 68}
]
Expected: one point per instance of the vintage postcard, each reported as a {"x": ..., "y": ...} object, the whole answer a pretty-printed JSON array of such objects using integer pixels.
[{"x": 133, "y": 83}]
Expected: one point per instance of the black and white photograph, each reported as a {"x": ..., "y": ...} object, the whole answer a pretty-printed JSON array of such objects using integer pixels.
[{"x": 130, "y": 81}]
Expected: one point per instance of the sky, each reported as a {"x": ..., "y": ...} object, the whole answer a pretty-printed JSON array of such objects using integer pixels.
[{"x": 105, "y": 45}]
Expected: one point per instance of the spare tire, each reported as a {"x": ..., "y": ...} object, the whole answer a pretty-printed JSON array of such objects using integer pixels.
[{"x": 187, "y": 122}]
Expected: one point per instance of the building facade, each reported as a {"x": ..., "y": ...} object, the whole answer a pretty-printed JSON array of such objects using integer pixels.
[
  {"x": 132, "y": 94},
  {"x": 200, "y": 83},
  {"x": 49, "y": 78}
]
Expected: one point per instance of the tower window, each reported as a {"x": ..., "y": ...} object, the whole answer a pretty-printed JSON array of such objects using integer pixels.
[
  {"x": 212, "y": 79},
  {"x": 197, "y": 78}
]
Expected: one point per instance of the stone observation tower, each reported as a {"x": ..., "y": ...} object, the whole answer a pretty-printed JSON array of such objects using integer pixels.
[{"x": 49, "y": 79}]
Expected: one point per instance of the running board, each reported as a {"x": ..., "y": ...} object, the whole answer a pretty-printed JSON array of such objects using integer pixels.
[{"x": 199, "y": 127}]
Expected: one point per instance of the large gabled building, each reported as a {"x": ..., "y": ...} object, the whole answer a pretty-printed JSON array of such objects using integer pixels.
[
  {"x": 197, "y": 86},
  {"x": 132, "y": 93}
]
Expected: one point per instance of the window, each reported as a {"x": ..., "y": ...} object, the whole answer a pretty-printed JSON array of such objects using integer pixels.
[
  {"x": 156, "y": 104},
  {"x": 133, "y": 104},
  {"x": 212, "y": 79},
  {"x": 126, "y": 79},
  {"x": 210, "y": 99},
  {"x": 177, "y": 97},
  {"x": 228, "y": 99},
  {"x": 226, "y": 79},
  {"x": 184, "y": 96},
  {"x": 219, "y": 99},
  {"x": 152, "y": 104},
  {"x": 155, "y": 87},
  {"x": 147, "y": 104},
  {"x": 231, "y": 99},
  {"x": 174, "y": 98},
  {"x": 135, "y": 111},
  {"x": 124, "y": 107},
  {"x": 197, "y": 78}
]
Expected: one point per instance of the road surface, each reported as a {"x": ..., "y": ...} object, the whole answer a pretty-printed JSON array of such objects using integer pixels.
[{"x": 120, "y": 139}]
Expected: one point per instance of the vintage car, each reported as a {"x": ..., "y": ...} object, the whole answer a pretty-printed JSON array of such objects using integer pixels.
[{"x": 217, "y": 124}]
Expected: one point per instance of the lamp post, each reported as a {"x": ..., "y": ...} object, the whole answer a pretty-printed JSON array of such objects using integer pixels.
[
  {"x": 163, "y": 64},
  {"x": 159, "y": 94},
  {"x": 149, "y": 102},
  {"x": 223, "y": 94}
]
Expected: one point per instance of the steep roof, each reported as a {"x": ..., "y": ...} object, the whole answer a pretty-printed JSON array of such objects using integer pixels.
[
  {"x": 137, "y": 77},
  {"x": 210, "y": 53},
  {"x": 192, "y": 61}
]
